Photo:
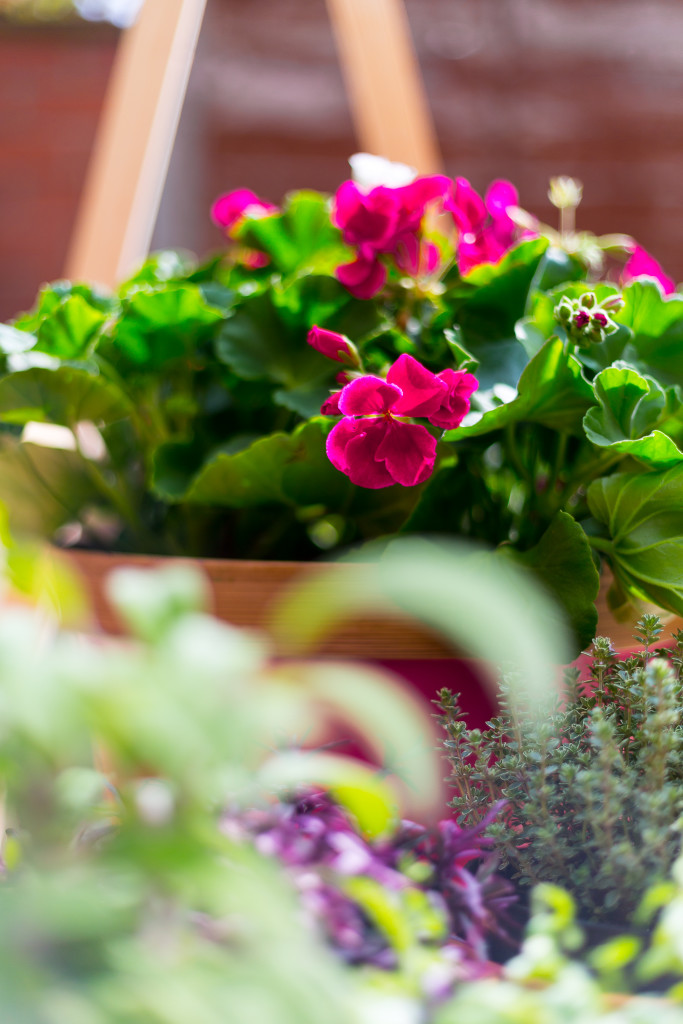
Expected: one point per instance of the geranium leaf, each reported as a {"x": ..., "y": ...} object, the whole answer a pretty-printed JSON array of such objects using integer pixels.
[
  {"x": 43, "y": 488},
  {"x": 629, "y": 408},
  {"x": 71, "y": 328},
  {"x": 290, "y": 469},
  {"x": 157, "y": 326},
  {"x": 301, "y": 237},
  {"x": 643, "y": 517},
  {"x": 552, "y": 391},
  {"x": 66, "y": 395},
  {"x": 488, "y": 302},
  {"x": 265, "y": 338},
  {"x": 656, "y": 322},
  {"x": 563, "y": 562}
]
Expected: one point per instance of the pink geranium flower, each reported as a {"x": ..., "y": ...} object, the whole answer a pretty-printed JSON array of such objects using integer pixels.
[
  {"x": 364, "y": 278},
  {"x": 460, "y": 386},
  {"x": 641, "y": 264},
  {"x": 230, "y": 209},
  {"x": 486, "y": 228},
  {"x": 385, "y": 221},
  {"x": 371, "y": 446}
]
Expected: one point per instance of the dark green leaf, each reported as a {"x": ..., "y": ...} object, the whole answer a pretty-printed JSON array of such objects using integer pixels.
[
  {"x": 563, "y": 562},
  {"x": 556, "y": 267},
  {"x": 487, "y": 304},
  {"x": 643, "y": 517},
  {"x": 290, "y": 469},
  {"x": 552, "y": 391},
  {"x": 305, "y": 400},
  {"x": 66, "y": 396},
  {"x": 265, "y": 339},
  {"x": 464, "y": 360}
]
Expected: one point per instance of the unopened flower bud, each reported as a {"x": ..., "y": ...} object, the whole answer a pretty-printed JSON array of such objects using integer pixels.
[
  {"x": 588, "y": 301},
  {"x": 334, "y": 346},
  {"x": 564, "y": 310},
  {"x": 613, "y": 303},
  {"x": 565, "y": 193}
]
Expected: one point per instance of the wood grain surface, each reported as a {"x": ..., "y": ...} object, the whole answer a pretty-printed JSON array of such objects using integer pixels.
[{"x": 244, "y": 593}]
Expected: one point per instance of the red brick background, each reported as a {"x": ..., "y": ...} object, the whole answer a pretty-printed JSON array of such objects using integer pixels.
[{"x": 52, "y": 82}]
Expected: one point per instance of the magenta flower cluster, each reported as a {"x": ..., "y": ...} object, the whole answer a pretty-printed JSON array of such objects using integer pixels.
[
  {"x": 386, "y": 225},
  {"x": 375, "y": 444},
  {"x": 231, "y": 209},
  {"x": 385, "y": 222},
  {"x": 486, "y": 229}
]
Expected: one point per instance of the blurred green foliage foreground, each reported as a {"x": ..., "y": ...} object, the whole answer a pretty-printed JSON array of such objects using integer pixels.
[{"x": 122, "y": 901}]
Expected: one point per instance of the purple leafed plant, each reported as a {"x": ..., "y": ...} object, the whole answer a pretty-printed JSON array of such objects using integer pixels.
[{"x": 452, "y": 866}]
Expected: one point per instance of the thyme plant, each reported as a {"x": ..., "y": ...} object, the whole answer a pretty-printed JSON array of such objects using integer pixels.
[{"x": 591, "y": 783}]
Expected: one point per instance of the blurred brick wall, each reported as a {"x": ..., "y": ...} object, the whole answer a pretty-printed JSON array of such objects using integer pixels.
[{"x": 52, "y": 83}]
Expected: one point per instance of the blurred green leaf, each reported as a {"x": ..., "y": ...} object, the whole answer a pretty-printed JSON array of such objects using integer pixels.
[
  {"x": 358, "y": 787},
  {"x": 65, "y": 396},
  {"x": 151, "y": 602},
  {"x": 400, "y": 738},
  {"x": 486, "y": 607},
  {"x": 301, "y": 236},
  {"x": 563, "y": 562}
]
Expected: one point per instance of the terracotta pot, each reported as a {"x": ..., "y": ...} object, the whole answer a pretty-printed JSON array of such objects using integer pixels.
[{"x": 244, "y": 592}]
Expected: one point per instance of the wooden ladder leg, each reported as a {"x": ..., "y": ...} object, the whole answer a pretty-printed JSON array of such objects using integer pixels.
[
  {"x": 134, "y": 141},
  {"x": 386, "y": 91}
]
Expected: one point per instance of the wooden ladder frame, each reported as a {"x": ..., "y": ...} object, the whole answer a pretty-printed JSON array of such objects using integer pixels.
[{"x": 144, "y": 99}]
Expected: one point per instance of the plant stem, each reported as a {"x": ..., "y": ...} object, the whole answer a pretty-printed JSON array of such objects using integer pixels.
[{"x": 601, "y": 544}]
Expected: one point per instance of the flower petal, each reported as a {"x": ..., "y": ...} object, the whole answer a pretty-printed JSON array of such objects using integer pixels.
[
  {"x": 499, "y": 196},
  {"x": 456, "y": 404},
  {"x": 352, "y": 448},
  {"x": 641, "y": 264},
  {"x": 330, "y": 406},
  {"x": 408, "y": 452},
  {"x": 422, "y": 391},
  {"x": 242, "y": 202},
  {"x": 369, "y": 395},
  {"x": 364, "y": 278},
  {"x": 467, "y": 206},
  {"x": 365, "y": 218}
]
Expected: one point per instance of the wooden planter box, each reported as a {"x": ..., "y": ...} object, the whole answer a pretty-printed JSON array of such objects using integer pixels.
[{"x": 244, "y": 593}]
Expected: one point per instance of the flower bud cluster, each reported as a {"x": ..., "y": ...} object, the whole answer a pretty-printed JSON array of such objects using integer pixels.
[{"x": 587, "y": 321}]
